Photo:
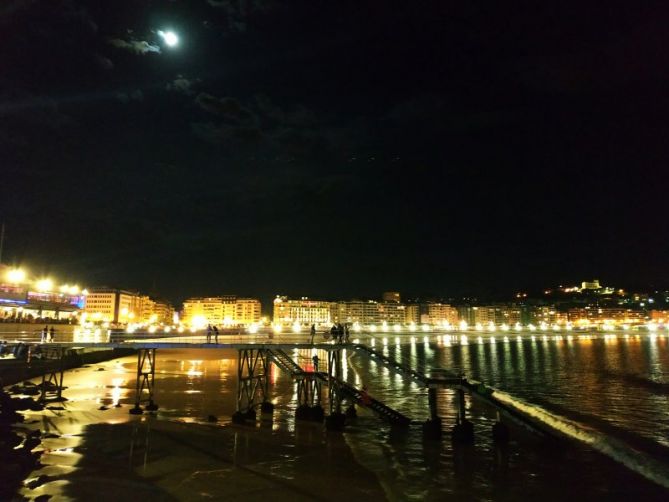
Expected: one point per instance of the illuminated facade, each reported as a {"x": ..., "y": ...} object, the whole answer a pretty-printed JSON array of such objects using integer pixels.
[
  {"x": 303, "y": 311},
  {"x": 392, "y": 312},
  {"x": 248, "y": 311},
  {"x": 438, "y": 313},
  {"x": 164, "y": 312},
  {"x": 221, "y": 311},
  {"x": 115, "y": 306},
  {"x": 596, "y": 315},
  {"x": 23, "y": 298},
  {"x": 363, "y": 312},
  {"x": 412, "y": 314}
]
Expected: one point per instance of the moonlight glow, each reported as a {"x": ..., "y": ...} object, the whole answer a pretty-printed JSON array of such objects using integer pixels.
[{"x": 169, "y": 37}]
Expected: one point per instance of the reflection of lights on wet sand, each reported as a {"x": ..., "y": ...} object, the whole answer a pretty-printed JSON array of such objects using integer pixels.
[
  {"x": 117, "y": 391},
  {"x": 194, "y": 370}
]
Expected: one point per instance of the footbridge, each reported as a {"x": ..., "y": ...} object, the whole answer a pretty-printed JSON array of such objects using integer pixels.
[{"x": 256, "y": 355}]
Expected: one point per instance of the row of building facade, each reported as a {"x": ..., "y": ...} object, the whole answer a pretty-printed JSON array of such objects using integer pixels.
[
  {"x": 122, "y": 307},
  {"x": 306, "y": 311}
]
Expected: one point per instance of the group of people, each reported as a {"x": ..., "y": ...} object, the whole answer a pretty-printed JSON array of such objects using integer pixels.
[
  {"x": 48, "y": 335},
  {"x": 212, "y": 331},
  {"x": 340, "y": 332}
]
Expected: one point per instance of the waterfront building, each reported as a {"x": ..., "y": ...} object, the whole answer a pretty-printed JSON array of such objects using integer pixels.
[
  {"x": 221, "y": 311},
  {"x": 145, "y": 310},
  {"x": 23, "y": 298},
  {"x": 363, "y": 312},
  {"x": 113, "y": 306},
  {"x": 303, "y": 311},
  {"x": 660, "y": 316},
  {"x": 604, "y": 315},
  {"x": 392, "y": 312},
  {"x": 247, "y": 311},
  {"x": 412, "y": 313},
  {"x": 163, "y": 312},
  {"x": 438, "y": 313}
]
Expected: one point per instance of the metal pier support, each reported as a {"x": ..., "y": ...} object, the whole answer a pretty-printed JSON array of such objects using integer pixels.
[
  {"x": 309, "y": 394},
  {"x": 52, "y": 381},
  {"x": 146, "y": 372},
  {"x": 463, "y": 431},
  {"x": 253, "y": 368},
  {"x": 336, "y": 419},
  {"x": 432, "y": 426}
]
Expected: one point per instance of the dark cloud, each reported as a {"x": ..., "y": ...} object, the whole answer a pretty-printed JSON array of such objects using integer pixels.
[
  {"x": 139, "y": 47},
  {"x": 240, "y": 12},
  {"x": 103, "y": 62},
  {"x": 228, "y": 108},
  {"x": 183, "y": 85},
  {"x": 127, "y": 97}
]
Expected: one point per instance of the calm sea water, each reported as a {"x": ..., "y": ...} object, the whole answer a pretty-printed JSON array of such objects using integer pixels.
[{"x": 610, "y": 394}]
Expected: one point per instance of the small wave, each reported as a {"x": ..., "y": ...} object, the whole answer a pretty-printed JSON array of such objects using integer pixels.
[{"x": 619, "y": 451}]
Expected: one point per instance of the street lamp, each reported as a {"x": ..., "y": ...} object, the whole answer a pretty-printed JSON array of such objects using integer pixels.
[{"x": 16, "y": 275}]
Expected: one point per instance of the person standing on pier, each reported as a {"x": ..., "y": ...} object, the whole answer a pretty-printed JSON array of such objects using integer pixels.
[
  {"x": 45, "y": 334},
  {"x": 52, "y": 334},
  {"x": 209, "y": 333},
  {"x": 313, "y": 333},
  {"x": 216, "y": 334}
]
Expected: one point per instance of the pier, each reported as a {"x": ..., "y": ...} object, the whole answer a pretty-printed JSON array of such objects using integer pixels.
[{"x": 256, "y": 355}]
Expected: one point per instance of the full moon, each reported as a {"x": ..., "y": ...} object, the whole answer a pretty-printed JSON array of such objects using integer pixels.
[{"x": 170, "y": 37}]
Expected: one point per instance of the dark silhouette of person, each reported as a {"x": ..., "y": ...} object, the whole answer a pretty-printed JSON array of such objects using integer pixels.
[
  {"x": 313, "y": 332},
  {"x": 216, "y": 333}
]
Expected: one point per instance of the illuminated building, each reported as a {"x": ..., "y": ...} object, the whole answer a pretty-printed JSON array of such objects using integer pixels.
[
  {"x": 164, "y": 312},
  {"x": 145, "y": 310},
  {"x": 604, "y": 315},
  {"x": 412, "y": 313},
  {"x": 591, "y": 285},
  {"x": 23, "y": 298},
  {"x": 391, "y": 296},
  {"x": 392, "y": 312},
  {"x": 661, "y": 316},
  {"x": 221, "y": 310},
  {"x": 438, "y": 313},
  {"x": 363, "y": 312},
  {"x": 113, "y": 305},
  {"x": 248, "y": 311},
  {"x": 303, "y": 311}
]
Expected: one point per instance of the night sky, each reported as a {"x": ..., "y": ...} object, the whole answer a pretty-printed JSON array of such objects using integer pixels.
[{"x": 335, "y": 149}]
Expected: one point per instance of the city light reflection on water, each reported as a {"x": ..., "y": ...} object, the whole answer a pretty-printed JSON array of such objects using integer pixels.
[{"x": 607, "y": 381}]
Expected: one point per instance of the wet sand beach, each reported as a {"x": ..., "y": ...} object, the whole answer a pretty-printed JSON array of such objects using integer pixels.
[{"x": 94, "y": 450}]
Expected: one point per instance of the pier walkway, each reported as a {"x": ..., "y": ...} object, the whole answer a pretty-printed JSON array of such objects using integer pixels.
[{"x": 257, "y": 352}]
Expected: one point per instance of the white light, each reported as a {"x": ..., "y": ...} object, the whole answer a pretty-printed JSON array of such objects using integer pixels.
[
  {"x": 169, "y": 37},
  {"x": 44, "y": 285},
  {"x": 16, "y": 275}
]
